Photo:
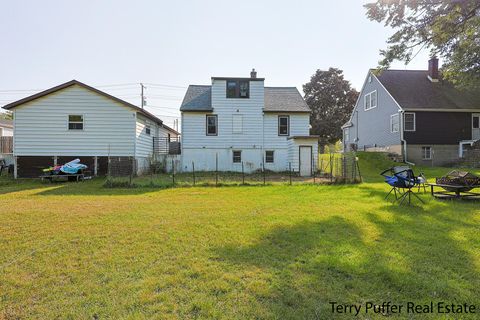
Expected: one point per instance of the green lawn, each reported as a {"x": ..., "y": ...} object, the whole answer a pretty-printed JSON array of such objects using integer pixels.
[{"x": 80, "y": 251}]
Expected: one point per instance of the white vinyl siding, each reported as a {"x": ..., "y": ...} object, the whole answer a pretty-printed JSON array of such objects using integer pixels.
[
  {"x": 144, "y": 141},
  {"x": 41, "y": 126},
  {"x": 237, "y": 124},
  {"x": 259, "y": 132}
]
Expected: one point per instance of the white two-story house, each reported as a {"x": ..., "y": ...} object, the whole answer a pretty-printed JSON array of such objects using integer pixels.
[{"x": 237, "y": 122}]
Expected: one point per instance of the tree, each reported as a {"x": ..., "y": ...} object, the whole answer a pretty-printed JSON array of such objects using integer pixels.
[
  {"x": 448, "y": 28},
  {"x": 7, "y": 115},
  {"x": 332, "y": 100}
]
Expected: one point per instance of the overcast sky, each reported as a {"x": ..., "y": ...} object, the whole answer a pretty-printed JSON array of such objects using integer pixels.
[{"x": 176, "y": 43}]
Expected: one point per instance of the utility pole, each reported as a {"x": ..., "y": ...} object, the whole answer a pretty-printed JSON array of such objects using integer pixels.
[{"x": 143, "y": 97}]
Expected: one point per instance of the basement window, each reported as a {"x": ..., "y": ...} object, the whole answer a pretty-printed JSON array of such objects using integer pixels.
[
  {"x": 427, "y": 153},
  {"x": 237, "y": 156},
  {"x": 269, "y": 156},
  {"x": 75, "y": 122}
]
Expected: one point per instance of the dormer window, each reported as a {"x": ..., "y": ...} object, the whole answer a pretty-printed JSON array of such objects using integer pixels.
[{"x": 238, "y": 89}]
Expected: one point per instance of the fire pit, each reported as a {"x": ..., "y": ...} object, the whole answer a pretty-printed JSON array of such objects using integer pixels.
[{"x": 456, "y": 184}]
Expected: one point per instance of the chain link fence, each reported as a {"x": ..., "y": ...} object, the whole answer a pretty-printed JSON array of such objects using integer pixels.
[{"x": 331, "y": 168}]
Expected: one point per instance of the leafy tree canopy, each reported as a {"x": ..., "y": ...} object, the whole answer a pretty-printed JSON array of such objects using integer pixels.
[
  {"x": 332, "y": 100},
  {"x": 449, "y": 28},
  {"x": 6, "y": 115}
]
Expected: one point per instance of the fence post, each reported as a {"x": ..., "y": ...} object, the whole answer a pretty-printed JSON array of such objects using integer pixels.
[
  {"x": 290, "y": 171},
  {"x": 216, "y": 169},
  {"x": 263, "y": 172},
  {"x": 131, "y": 172},
  {"x": 173, "y": 172},
  {"x": 243, "y": 174},
  {"x": 193, "y": 167},
  {"x": 331, "y": 167}
]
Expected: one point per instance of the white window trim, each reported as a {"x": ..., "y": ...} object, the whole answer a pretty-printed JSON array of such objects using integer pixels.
[
  {"x": 414, "y": 121},
  {"x": 391, "y": 123},
  {"x": 273, "y": 156},
  {"x": 365, "y": 100},
  {"x": 423, "y": 153},
  {"x": 68, "y": 122},
  {"x": 475, "y": 115},
  {"x": 150, "y": 128},
  {"x": 233, "y": 152}
]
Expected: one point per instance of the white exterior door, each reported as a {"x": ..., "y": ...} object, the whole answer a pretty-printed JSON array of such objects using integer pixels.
[
  {"x": 305, "y": 161},
  {"x": 475, "y": 126}
]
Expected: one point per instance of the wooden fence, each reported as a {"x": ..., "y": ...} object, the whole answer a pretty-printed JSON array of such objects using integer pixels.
[{"x": 6, "y": 144}]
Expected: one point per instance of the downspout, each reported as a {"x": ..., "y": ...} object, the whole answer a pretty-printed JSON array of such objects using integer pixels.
[{"x": 402, "y": 139}]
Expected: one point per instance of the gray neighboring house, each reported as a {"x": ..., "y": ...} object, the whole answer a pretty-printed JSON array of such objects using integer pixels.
[{"x": 414, "y": 114}]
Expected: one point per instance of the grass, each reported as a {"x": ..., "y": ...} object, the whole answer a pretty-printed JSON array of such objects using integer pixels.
[{"x": 81, "y": 251}]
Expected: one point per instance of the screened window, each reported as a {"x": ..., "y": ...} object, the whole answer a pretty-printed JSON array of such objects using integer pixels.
[
  {"x": 237, "y": 156},
  {"x": 212, "y": 125},
  {"x": 426, "y": 153},
  {"x": 283, "y": 125},
  {"x": 238, "y": 89},
  {"x": 269, "y": 156},
  {"x": 370, "y": 100},
  {"x": 409, "y": 121},
  {"x": 394, "y": 123},
  {"x": 75, "y": 122},
  {"x": 148, "y": 130}
]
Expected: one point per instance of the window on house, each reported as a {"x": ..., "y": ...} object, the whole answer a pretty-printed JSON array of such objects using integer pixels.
[
  {"x": 237, "y": 156},
  {"x": 283, "y": 125},
  {"x": 269, "y": 156},
  {"x": 237, "y": 123},
  {"x": 426, "y": 153},
  {"x": 346, "y": 135},
  {"x": 75, "y": 122},
  {"x": 370, "y": 100},
  {"x": 394, "y": 123},
  {"x": 148, "y": 130},
  {"x": 476, "y": 122},
  {"x": 409, "y": 121},
  {"x": 212, "y": 125},
  {"x": 169, "y": 137},
  {"x": 238, "y": 89}
]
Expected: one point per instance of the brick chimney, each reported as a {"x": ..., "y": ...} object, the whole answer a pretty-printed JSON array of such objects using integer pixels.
[
  {"x": 433, "y": 69},
  {"x": 253, "y": 74}
]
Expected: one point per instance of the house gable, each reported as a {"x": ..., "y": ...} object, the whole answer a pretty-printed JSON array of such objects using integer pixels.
[{"x": 370, "y": 125}]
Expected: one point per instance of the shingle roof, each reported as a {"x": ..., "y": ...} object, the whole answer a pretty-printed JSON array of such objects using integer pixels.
[
  {"x": 277, "y": 99},
  {"x": 286, "y": 99},
  {"x": 83, "y": 85},
  {"x": 197, "y": 98},
  {"x": 413, "y": 90},
  {"x": 6, "y": 123}
]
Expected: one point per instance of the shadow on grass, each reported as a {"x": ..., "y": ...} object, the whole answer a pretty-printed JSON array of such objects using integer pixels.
[{"x": 313, "y": 263}]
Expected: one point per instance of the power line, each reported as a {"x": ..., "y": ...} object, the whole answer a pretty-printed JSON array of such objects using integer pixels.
[{"x": 165, "y": 85}]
